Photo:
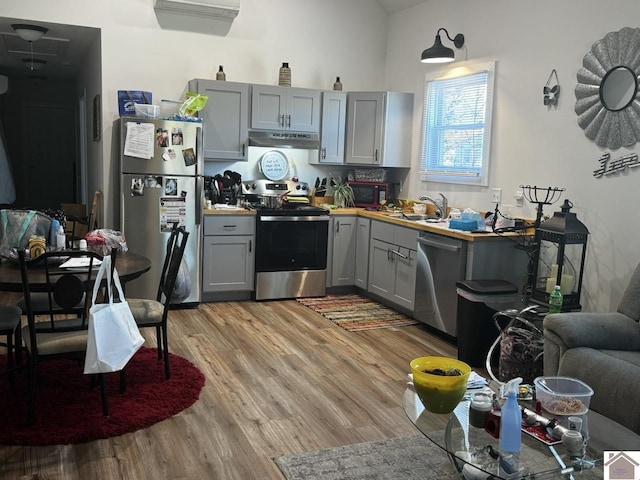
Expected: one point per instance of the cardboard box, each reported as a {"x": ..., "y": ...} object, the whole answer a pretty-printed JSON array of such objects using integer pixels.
[
  {"x": 126, "y": 99},
  {"x": 319, "y": 201}
]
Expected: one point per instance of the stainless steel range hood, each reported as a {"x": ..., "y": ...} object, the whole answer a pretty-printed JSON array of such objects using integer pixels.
[{"x": 306, "y": 141}]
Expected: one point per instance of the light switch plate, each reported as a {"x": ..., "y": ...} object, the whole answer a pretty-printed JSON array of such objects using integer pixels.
[{"x": 496, "y": 195}]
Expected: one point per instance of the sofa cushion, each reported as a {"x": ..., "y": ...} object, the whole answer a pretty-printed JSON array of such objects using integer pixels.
[{"x": 605, "y": 371}]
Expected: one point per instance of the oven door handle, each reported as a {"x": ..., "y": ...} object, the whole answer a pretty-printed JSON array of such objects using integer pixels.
[{"x": 293, "y": 218}]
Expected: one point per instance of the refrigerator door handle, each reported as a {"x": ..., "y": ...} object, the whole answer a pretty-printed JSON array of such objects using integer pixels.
[
  {"x": 199, "y": 152},
  {"x": 199, "y": 198}
]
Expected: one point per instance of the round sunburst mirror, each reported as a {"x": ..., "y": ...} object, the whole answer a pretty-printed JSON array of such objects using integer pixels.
[{"x": 607, "y": 96}]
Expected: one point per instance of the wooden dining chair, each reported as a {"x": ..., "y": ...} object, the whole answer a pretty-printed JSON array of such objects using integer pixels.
[
  {"x": 154, "y": 313},
  {"x": 62, "y": 336},
  {"x": 10, "y": 317}
]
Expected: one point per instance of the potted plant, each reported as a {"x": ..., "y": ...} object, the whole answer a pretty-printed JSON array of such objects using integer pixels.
[{"x": 343, "y": 194}]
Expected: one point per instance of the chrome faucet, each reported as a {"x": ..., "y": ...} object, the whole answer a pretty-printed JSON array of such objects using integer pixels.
[{"x": 441, "y": 206}]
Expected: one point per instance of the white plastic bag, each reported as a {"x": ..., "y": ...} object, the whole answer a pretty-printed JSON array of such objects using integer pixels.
[{"x": 113, "y": 336}]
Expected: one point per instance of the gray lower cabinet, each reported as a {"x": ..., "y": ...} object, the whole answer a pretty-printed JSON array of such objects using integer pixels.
[
  {"x": 392, "y": 263},
  {"x": 343, "y": 261},
  {"x": 228, "y": 254},
  {"x": 362, "y": 252}
]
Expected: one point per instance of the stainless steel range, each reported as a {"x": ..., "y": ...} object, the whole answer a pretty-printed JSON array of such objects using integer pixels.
[{"x": 291, "y": 240}]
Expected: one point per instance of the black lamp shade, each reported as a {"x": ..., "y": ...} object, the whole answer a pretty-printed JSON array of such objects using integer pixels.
[{"x": 438, "y": 53}]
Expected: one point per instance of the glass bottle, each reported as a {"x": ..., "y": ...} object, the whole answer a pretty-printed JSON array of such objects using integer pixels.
[
  {"x": 284, "y": 79},
  {"x": 221, "y": 75},
  {"x": 338, "y": 84}
]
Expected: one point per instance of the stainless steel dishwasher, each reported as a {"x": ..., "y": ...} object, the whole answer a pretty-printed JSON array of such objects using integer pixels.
[{"x": 441, "y": 263}]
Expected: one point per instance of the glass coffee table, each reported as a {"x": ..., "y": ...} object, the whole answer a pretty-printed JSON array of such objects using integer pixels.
[{"x": 472, "y": 450}]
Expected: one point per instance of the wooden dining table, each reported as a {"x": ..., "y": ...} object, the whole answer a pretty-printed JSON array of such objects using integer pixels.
[{"x": 129, "y": 265}]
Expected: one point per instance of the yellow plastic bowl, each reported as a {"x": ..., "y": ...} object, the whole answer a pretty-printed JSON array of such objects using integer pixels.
[{"x": 439, "y": 393}]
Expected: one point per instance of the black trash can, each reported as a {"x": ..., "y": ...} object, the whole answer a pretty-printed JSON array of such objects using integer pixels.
[{"x": 478, "y": 301}]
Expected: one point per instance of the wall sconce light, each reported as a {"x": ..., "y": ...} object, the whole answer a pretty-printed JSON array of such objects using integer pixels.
[
  {"x": 439, "y": 53},
  {"x": 29, "y": 33},
  {"x": 34, "y": 64}
]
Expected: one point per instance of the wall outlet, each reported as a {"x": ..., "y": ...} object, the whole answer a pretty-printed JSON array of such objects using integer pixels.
[{"x": 496, "y": 195}]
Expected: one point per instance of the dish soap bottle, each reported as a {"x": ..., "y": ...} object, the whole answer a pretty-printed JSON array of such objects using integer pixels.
[
  {"x": 510, "y": 427},
  {"x": 555, "y": 300}
]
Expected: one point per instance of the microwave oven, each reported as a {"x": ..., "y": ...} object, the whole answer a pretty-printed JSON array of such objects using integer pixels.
[{"x": 369, "y": 194}]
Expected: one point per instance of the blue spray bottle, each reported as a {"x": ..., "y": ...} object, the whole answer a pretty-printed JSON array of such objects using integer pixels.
[{"x": 511, "y": 424}]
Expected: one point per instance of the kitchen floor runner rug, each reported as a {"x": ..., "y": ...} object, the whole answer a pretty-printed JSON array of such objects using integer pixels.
[
  {"x": 69, "y": 411},
  {"x": 354, "y": 312}
]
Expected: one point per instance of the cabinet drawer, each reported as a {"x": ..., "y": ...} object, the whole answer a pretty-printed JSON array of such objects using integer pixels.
[
  {"x": 405, "y": 237},
  {"x": 229, "y": 225},
  {"x": 402, "y": 236}
]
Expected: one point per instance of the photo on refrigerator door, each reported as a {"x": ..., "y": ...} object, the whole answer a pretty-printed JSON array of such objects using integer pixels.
[{"x": 173, "y": 212}]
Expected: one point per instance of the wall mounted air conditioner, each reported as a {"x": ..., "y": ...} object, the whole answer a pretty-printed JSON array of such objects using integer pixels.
[{"x": 222, "y": 9}]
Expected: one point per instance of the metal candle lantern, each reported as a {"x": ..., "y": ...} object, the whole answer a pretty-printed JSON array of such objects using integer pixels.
[{"x": 562, "y": 246}]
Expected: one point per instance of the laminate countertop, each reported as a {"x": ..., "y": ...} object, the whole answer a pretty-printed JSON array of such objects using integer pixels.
[{"x": 440, "y": 228}]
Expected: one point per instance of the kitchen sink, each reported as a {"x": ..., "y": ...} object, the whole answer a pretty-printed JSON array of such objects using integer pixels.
[{"x": 414, "y": 217}]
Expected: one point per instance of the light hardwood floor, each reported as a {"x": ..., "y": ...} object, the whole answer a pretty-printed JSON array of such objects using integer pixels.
[{"x": 280, "y": 379}]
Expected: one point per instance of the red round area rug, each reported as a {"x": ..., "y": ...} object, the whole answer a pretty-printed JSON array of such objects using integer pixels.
[{"x": 69, "y": 410}]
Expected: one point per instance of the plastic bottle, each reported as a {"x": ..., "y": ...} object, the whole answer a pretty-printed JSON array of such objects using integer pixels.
[
  {"x": 61, "y": 238},
  {"x": 53, "y": 233},
  {"x": 555, "y": 300},
  {"x": 511, "y": 424}
]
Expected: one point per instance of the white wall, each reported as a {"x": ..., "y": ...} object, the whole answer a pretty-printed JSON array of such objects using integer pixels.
[
  {"x": 532, "y": 143},
  {"x": 321, "y": 39}
]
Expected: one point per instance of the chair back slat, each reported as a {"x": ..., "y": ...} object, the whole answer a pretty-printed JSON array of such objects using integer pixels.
[{"x": 173, "y": 258}]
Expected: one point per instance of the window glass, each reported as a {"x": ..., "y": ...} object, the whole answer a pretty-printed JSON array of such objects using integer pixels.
[{"x": 457, "y": 126}]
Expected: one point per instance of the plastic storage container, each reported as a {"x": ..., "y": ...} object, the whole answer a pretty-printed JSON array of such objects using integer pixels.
[
  {"x": 563, "y": 396},
  {"x": 146, "y": 111},
  {"x": 478, "y": 301}
]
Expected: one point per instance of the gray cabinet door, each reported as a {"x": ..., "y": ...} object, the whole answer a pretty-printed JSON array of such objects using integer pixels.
[
  {"x": 332, "y": 128},
  {"x": 225, "y": 119},
  {"x": 227, "y": 263},
  {"x": 381, "y": 276},
  {"x": 405, "y": 277},
  {"x": 364, "y": 128},
  {"x": 303, "y": 110},
  {"x": 362, "y": 252},
  {"x": 268, "y": 107},
  {"x": 344, "y": 250}
]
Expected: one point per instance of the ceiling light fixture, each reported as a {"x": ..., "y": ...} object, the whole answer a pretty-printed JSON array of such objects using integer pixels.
[
  {"x": 34, "y": 64},
  {"x": 438, "y": 53},
  {"x": 29, "y": 33}
]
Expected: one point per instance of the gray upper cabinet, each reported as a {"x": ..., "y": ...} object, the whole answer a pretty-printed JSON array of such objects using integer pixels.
[
  {"x": 379, "y": 126},
  {"x": 225, "y": 118},
  {"x": 332, "y": 128},
  {"x": 285, "y": 108}
]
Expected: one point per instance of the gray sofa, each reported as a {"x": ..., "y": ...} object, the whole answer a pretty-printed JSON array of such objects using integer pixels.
[{"x": 602, "y": 350}]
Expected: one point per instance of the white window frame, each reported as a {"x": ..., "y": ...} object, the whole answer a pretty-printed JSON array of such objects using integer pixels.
[{"x": 479, "y": 176}]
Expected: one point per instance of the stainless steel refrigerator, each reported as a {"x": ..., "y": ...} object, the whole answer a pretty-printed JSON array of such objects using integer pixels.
[{"x": 161, "y": 184}]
